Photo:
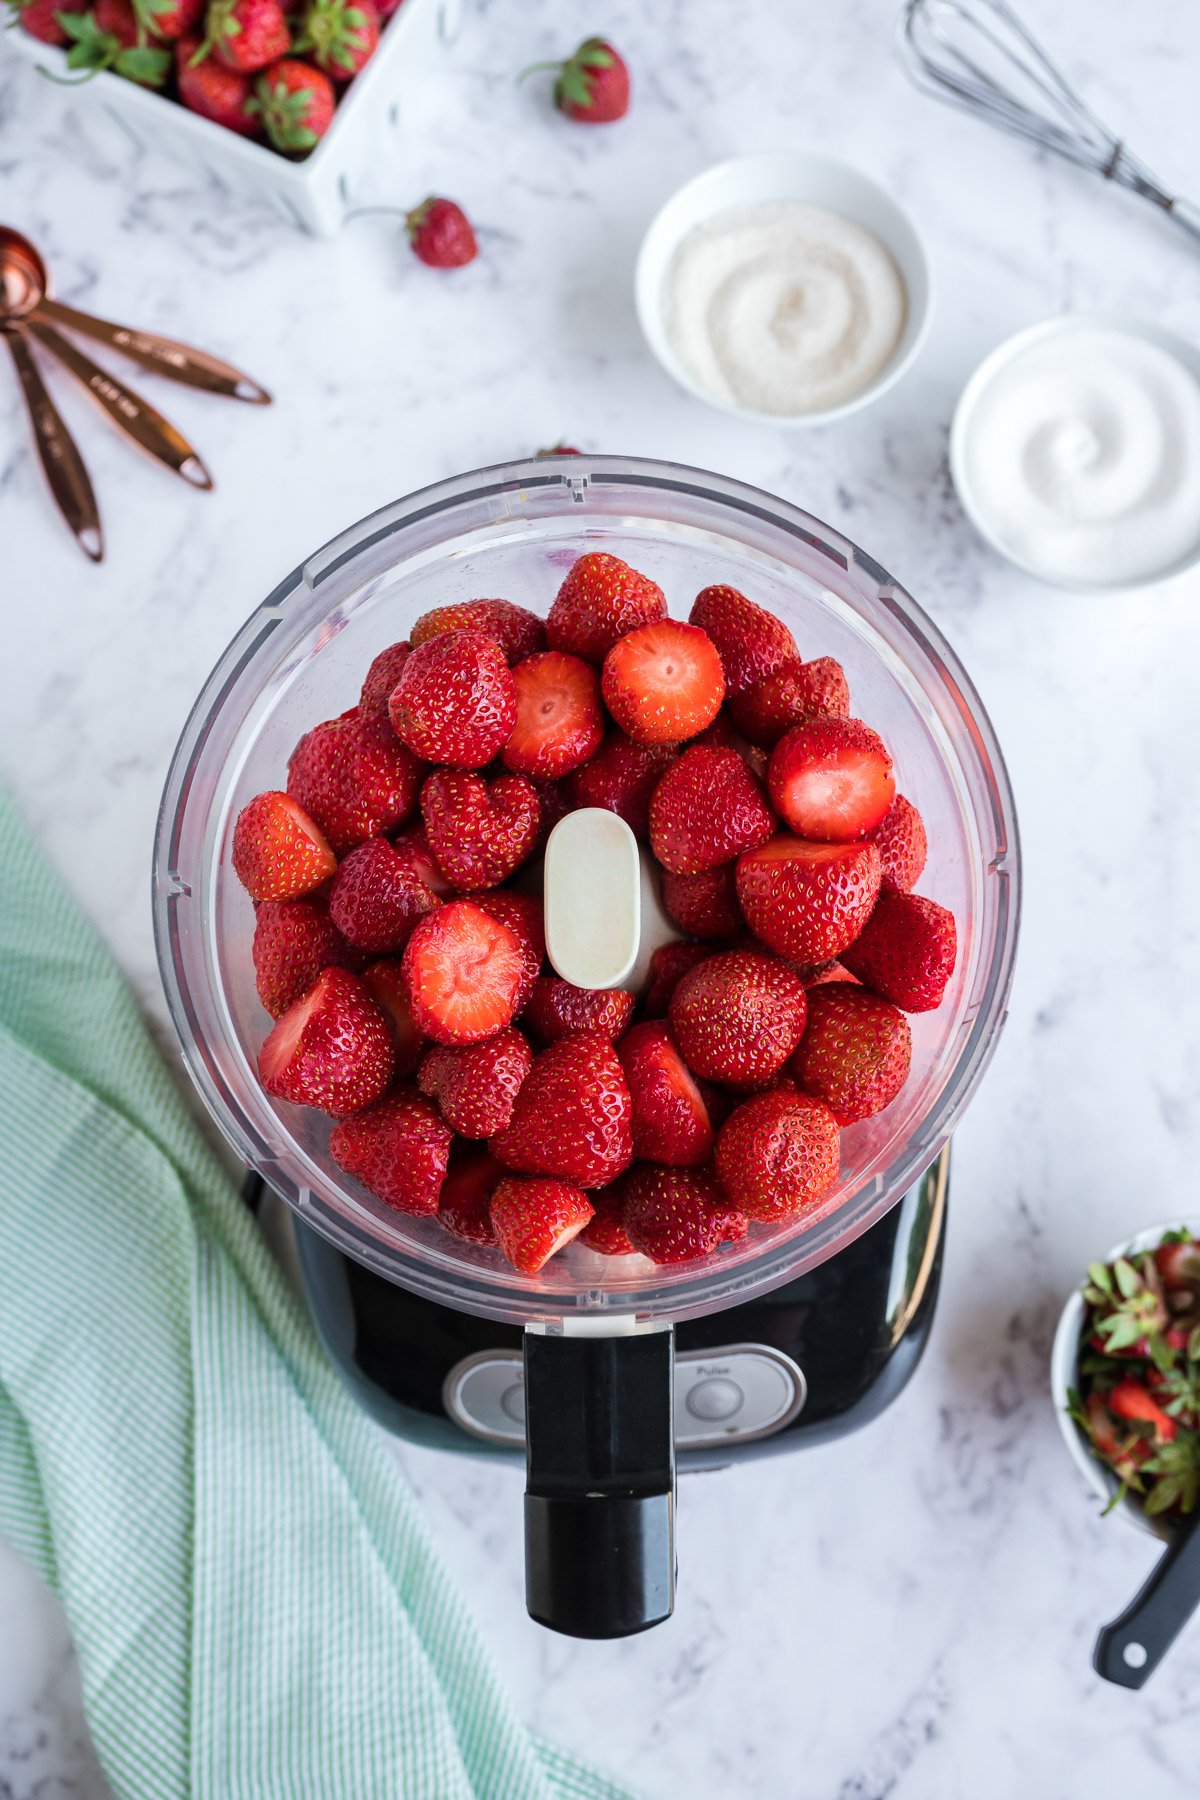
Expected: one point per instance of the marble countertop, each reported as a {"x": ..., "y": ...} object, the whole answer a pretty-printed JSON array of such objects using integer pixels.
[{"x": 909, "y": 1612}]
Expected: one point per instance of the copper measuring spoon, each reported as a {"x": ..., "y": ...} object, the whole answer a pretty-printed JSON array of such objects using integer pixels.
[{"x": 69, "y": 480}]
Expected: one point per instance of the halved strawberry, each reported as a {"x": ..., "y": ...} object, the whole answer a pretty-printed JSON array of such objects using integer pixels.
[
  {"x": 601, "y": 599},
  {"x": 738, "y": 1016},
  {"x": 670, "y": 1119},
  {"x": 384, "y": 981},
  {"x": 780, "y": 1153},
  {"x": 464, "y": 972},
  {"x": 413, "y": 845},
  {"x": 855, "y": 1052},
  {"x": 381, "y": 679},
  {"x": 751, "y": 641},
  {"x": 560, "y": 721},
  {"x": 355, "y": 778},
  {"x": 476, "y": 1084},
  {"x": 663, "y": 683},
  {"x": 668, "y": 966},
  {"x": 831, "y": 779},
  {"x": 455, "y": 701},
  {"x": 704, "y": 905},
  {"x": 906, "y": 951},
  {"x": 465, "y": 1202},
  {"x": 376, "y": 898},
  {"x": 522, "y": 913},
  {"x": 534, "y": 1220},
  {"x": 900, "y": 840},
  {"x": 278, "y": 852},
  {"x": 573, "y": 1116},
  {"x": 792, "y": 693},
  {"x": 399, "y": 1148},
  {"x": 332, "y": 1049},
  {"x": 677, "y": 1215},
  {"x": 706, "y": 810},
  {"x": 621, "y": 777},
  {"x": 519, "y": 632},
  {"x": 293, "y": 941},
  {"x": 558, "y": 1009},
  {"x": 480, "y": 831},
  {"x": 807, "y": 901},
  {"x": 605, "y": 1232}
]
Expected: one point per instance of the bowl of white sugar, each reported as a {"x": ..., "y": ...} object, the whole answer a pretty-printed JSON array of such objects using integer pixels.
[{"x": 788, "y": 288}]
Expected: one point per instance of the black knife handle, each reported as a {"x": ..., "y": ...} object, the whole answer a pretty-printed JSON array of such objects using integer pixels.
[{"x": 1130, "y": 1649}]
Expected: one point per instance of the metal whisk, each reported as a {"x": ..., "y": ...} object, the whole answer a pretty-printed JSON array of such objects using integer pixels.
[{"x": 979, "y": 56}]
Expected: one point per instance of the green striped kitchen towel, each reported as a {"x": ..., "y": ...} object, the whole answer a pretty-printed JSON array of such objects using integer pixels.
[{"x": 259, "y": 1610}]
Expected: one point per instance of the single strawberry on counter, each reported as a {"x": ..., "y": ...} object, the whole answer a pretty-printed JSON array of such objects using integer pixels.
[
  {"x": 341, "y": 36},
  {"x": 752, "y": 642},
  {"x": 704, "y": 905},
  {"x": 738, "y": 1016},
  {"x": 573, "y": 1116},
  {"x": 476, "y": 1085},
  {"x": 293, "y": 941},
  {"x": 519, "y": 632},
  {"x": 296, "y": 103},
  {"x": 780, "y": 1153},
  {"x": 214, "y": 92},
  {"x": 354, "y": 778},
  {"x": 663, "y": 683},
  {"x": 278, "y": 852},
  {"x": 464, "y": 971},
  {"x": 807, "y": 901},
  {"x": 600, "y": 600},
  {"x": 678, "y": 1215},
  {"x": 381, "y": 678},
  {"x": 592, "y": 85},
  {"x": 793, "y": 693},
  {"x": 622, "y": 777},
  {"x": 399, "y": 1149},
  {"x": 455, "y": 701},
  {"x": 480, "y": 831},
  {"x": 465, "y": 1202},
  {"x": 376, "y": 898},
  {"x": 558, "y": 1009},
  {"x": 384, "y": 981},
  {"x": 671, "y": 1123},
  {"x": 441, "y": 234},
  {"x": 533, "y": 1220},
  {"x": 706, "y": 810},
  {"x": 831, "y": 780},
  {"x": 560, "y": 721},
  {"x": 331, "y": 1050},
  {"x": 900, "y": 840},
  {"x": 605, "y": 1232},
  {"x": 855, "y": 1052},
  {"x": 906, "y": 951},
  {"x": 245, "y": 35}
]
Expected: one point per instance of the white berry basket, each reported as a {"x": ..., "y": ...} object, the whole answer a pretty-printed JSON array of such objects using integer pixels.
[{"x": 316, "y": 193}]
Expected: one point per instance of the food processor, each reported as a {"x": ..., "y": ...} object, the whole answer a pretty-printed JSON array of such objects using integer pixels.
[{"x": 606, "y": 1373}]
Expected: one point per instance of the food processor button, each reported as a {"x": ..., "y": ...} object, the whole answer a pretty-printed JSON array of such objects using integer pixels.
[
  {"x": 512, "y": 1401},
  {"x": 716, "y": 1398}
]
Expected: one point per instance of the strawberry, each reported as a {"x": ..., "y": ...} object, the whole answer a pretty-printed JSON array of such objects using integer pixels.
[
  {"x": 464, "y": 971},
  {"x": 477, "y": 1084},
  {"x": 1178, "y": 1263},
  {"x": 384, "y": 981},
  {"x": 332, "y": 1049},
  {"x": 560, "y": 722},
  {"x": 677, "y": 1215},
  {"x": 169, "y": 20},
  {"x": 663, "y": 682},
  {"x": 1130, "y": 1399},
  {"x": 296, "y": 104},
  {"x": 213, "y": 91},
  {"x": 354, "y": 778},
  {"x": 111, "y": 37},
  {"x": 900, "y": 840},
  {"x": 752, "y": 642},
  {"x": 245, "y": 35},
  {"x": 738, "y": 1016},
  {"x": 376, "y": 898},
  {"x": 557, "y": 1009},
  {"x": 455, "y": 701},
  {"x": 668, "y": 966},
  {"x": 779, "y": 1152},
  {"x": 480, "y": 831},
  {"x": 293, "y": 941},
  {"x": 341, "y": 36},
  {"x": 704, "y": 905},
  {"x": 807, "y": 901},
  {"x": 381, "y": 680},
  {"x": 670, "y": 1119},
  {"x": 522, "y": 913},
  {"x": 554, "y": 803},
  {"x": 592, "y": 85},
  {"x": 533, "y": 1220},
  {"x": 906, "y": 951},
  {"x": 573, "y": 1116},
  {"x": 605, "y": 1232},
  {"x": 601, "y": 599},
  {"x": 723, "y": 735},
  {"x": 855, "y": 1052},
  {"x": 278, "y": 853},
  {"x": 706, "y": 810},
  {"x": 817, "y": 974},
  {"x": 465, "y": 1202},
  {"x": 831, "y": 779},
  {"x": 621, "y": 777},
  {"x": 39, "y": 18},
  {"x": 441, "y": 234},
  {"x": 559, "y": 449},
  {"x": 789, "y": 695},
  {"x": 519, "y": 632},
  {"x": 413, "y": 845},
  {"x": 399, "y": 1148}
]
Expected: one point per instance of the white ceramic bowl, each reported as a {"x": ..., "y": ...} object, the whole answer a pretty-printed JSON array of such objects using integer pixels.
[
  {"x": 982, "y": 379},
  {"x": 1064, "y": 1375},
  {"x": 817, "y": 180}
]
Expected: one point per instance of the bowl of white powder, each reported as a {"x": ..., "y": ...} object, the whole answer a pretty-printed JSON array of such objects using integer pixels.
[{"x": 788, "y": 288}]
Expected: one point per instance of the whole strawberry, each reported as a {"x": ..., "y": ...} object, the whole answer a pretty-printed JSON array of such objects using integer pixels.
[
  {"x": 245, "y": 35},
  {"x": 675, "y": 1215},
  {"x": 519, "y": 632},
  {"x": 296, "y": 104},
  {"x": 779, "y": 1152},
  {"x": 600, "y": 600},
  {"x": 592, "y": 85},
  {"x": 341, "y": 36},
  {"x": 169, "y": 20},
  {"x": 214, "y": 92},
  {"x": 573, "y": 1118},
  {"x": 855, "y": 1052},
  {"x": 706, "y": 810},
  {"x": 39, "y": 18},
  {"x": 399, "y": 1148},
  {"x": 354, "y": 777},
  {"x": 294, "y": 940},
  {"x": 441, "y": 234}
]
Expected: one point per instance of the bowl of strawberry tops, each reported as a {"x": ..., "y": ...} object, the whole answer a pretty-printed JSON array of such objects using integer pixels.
[{"x": 588, "y": 887}]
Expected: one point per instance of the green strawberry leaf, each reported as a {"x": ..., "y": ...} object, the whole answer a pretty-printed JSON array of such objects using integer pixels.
[
  {"x": 1127, "y": 1277},
  {"x": 144, "y": 65}
]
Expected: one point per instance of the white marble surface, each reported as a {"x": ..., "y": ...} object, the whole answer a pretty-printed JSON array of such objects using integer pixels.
[{"x": 909, "y": 1613}]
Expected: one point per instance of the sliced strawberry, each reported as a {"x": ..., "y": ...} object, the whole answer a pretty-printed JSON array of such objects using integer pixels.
[
  {"x": 376, "y": 898},
  {"x": 476, "y": 1085},
  {"x": 355, "y": 778},
  {"x": 399, "y": 1148},
  {"x": 900, "y": 840},
  {"x": 519, "y": 632},
  {"x": 413, "y": 845},
  {"x": 534, "y": 1220},
  {"x": 807, "y": 901},
  {"x": 704, "y": 905},
  {"x": 780, "y": 1153},
  {"x": 293, "y": 941},
  {"x": 464, "y": 971},
  {"x": 522, "y": 913},
  {"x": 480, "y": 831},
  {"x": 455, "y": 701},
  {"x": 278, "y": 852},
  {"x": 751, "y": 641},
  {"x": 831, "y": 779},
  {"x": 573, "y": 1116},
  {"x": 560, "y": 721},
  {"x": 465, "y": 1202},
  {"x": 1129, "y": 1399},
  {"x": 381, "y": 680},
  {"x": 621, "y": 777},
  {"x": 605, "y": 1232},
  {"x": 855, "y": 1052},
  {"x": 677, "y": 1215},
  {"x": 663, "y": 683},
  {"x": 601, "y": 599},
  {"x": 706, "y": 810},
  {"x": 670, "y": 1119},
  {"x": 384, "y": 981},
  {"x": 738, "y": 1016},
  {"x": 791, "y": 694},
  {"x": 906, "y": 951},
  {"x": 557, "y": 1009},
  {"x": 332, "y": 1049},
  {"x": 668, "y": 966}
]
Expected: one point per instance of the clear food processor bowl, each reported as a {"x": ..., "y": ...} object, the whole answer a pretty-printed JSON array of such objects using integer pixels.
[{"x": 513, "y": 531}]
